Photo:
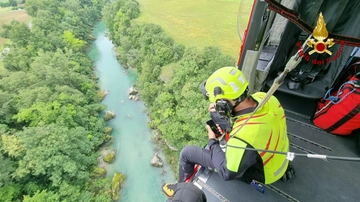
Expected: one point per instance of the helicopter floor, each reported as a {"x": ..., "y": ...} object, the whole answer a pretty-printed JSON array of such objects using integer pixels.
[{"x": 316, "y": 179}]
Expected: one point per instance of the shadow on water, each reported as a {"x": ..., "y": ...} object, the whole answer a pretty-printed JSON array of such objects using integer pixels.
[{"x": 131, "y": 136}]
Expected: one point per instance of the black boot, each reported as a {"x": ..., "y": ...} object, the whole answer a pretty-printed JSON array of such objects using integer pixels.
[{"x": 289, "y": 174}]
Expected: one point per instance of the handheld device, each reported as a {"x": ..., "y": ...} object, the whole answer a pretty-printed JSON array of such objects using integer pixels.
[{"x": 213, "y": 127}]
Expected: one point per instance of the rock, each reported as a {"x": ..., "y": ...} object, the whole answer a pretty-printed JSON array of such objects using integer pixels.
[
  {"x": 132, "y": 91},
  {"x": 163, "y": 172},
  {"x": 110, "y": 157},
  {"x": 151, "y": 124},
  {"x": 134, "y": 97},
  {"x": 116, "y": 184},
  {"x": 100, "y": 172},
  {"x": 171, "y": 147},
  {"x": 108, "y": 138},
  {"x": 102, "y": 94},
  {"x": 109, "y": 115},
  {"x": 155, "y": 139},
  {"x": 91, "y": 37},
  {"x": 108, "y": 130},
  {"x": 156, "y": 136},
  {"x": 156, "y": 161},
  {"x": 128, "y": 65}
]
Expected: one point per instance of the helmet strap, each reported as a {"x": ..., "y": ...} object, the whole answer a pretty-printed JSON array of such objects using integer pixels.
[{"x": 241, "y": 98}]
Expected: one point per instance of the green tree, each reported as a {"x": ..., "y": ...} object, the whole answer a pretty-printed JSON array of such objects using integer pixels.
[
  {"x": 66, "y": 161},
  {"x": 44, "y": 195},
  {"x": 7, "y": 167},
  {"x": 32, "y": 6},
  {"x": 12, "y": 145},
  {"x": 50, "y": 85},
  {"x": 7, "y": 109},
  {"x": 17, "y": 32},
  {"x": 10, "y": 192},
  {"x": 13, "y": 3},
  {"x": 73, "y": 42}
]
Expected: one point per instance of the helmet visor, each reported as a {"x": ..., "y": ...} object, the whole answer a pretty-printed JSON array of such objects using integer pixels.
[{"x": 203, "y": 90}]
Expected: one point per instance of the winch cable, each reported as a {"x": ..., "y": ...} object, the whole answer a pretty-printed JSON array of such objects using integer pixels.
[
  {"x": 291, "y": 155},
  {"x": 290, "y": 65}
]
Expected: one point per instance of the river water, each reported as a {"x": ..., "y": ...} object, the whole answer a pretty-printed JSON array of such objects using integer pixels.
[{"x": 131, "y": 136}]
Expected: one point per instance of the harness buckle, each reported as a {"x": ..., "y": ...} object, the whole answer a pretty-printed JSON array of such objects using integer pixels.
[
  {"x": 294, "y": 83},
  {"x": 312, "y": 77},
  {"x": 356, "y": 84}
]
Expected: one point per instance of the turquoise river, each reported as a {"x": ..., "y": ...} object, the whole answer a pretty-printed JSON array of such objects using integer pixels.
[{"x": 131, "y": 135}]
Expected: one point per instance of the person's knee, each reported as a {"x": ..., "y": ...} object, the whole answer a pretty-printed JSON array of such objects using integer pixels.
[{"x": 185, "y": 152}]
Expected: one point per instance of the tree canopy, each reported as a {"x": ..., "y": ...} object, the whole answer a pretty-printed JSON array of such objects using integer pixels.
[{"x": 50, "y": 126}]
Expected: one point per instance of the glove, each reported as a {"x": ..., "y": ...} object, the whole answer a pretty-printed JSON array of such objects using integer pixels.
[
  {"x": 224, "y": 123},
  {"x": 289, "y": 174}
]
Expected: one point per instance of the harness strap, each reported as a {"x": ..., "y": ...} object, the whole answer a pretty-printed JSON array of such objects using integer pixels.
[
  {"x": 346, "y": 118},
  {"x": 297, "y": 81}
]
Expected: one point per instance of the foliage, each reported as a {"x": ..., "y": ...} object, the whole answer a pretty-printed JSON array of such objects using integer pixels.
[
  {"x": 73, "y": 42},
  {"x": 66, "y": 161},
  {"x": 12, "y": 145},
  {"x": 99, "y": 172},
  {"x": 100, "y": 190},
  {"x": 7, "y": 166},
  {"x": 8, "y": 3},
  {"x": 49, "y": 110},
  {"x": 116, "y": 183},
  {"x": 6, "y": 16},
  {"x": 42, "y": 196},
  {"x": 9, "y": 192}
]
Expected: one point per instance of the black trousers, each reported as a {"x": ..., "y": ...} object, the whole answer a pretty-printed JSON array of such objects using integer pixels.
[
  {"x": 191, "y": 155},
  {"x": 215, "y": 160}
]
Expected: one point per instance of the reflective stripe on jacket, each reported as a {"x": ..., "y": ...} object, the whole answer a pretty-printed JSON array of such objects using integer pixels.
[{"x": 266, "y": 130}]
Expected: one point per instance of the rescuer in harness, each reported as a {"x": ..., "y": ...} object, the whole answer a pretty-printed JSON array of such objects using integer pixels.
[{"x": 227, "y": 89}]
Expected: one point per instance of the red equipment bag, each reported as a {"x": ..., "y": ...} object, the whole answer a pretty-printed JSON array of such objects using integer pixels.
[{"x": 339, "y": 111}]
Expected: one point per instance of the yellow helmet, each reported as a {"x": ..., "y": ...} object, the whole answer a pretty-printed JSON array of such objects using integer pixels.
[{"x": 225, "y": 83}]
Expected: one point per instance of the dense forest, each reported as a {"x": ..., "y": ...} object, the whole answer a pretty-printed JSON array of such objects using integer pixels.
[
  {"x": 170, "y": 75},
  {"x": 11, "y": 3},
  {"x": 49, "y": 106}
]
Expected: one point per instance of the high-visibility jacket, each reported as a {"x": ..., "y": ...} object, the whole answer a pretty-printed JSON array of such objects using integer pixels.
[{"x": 266, "y": 130}]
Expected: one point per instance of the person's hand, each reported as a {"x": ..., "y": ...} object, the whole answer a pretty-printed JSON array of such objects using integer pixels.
[
  {"x": 212, "y": 108},
  {"x": 211, "y": 134}
]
